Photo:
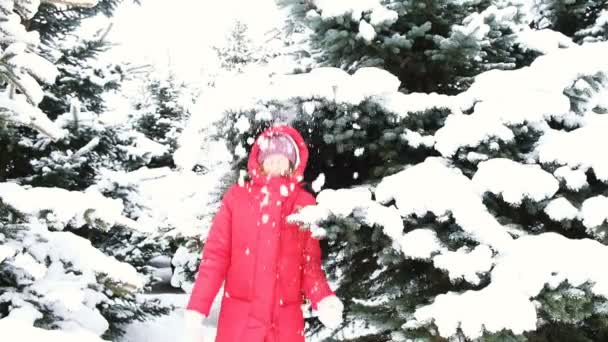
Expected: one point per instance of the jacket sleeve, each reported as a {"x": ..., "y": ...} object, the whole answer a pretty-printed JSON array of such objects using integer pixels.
[
  {"x": 314, "y": 281},
  {"x": 215, "y": 259}
]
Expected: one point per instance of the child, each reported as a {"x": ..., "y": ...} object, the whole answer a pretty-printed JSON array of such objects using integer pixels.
[{"x": 266, "y": 262}]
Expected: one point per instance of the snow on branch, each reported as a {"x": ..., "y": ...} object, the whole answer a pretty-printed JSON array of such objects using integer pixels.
[
  {"x": 23, "y": 69},
  {"x": 577, "y": 149},
  {"x": 61, "y": 207},
  {"x": 497, "y": 100},
  {"x": 519, "y": 276},
  {"x": 62, "y": 273},
  {"x": 434, "y": 187},
  {"x": 530, "y": 95},
  {"x": 13, "y": 325},
  {"x": 519, "y": 268},
  {"x": 514, "y": 181},
  {"x": 76, "y": 3}
]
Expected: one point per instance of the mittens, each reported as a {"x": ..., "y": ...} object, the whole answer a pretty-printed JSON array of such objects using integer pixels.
[
  {"x": 193, "y": 324},
  {"x": 329, "y": 311}
]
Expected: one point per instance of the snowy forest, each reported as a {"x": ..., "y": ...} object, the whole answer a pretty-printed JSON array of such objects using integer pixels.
[{"x": 457, "y": 155}]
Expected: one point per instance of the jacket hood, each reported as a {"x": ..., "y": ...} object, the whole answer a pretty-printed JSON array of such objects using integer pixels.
[{"x": 254, "y": 166}]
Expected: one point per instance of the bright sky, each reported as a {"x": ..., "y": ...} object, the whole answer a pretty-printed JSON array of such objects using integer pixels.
[{"x": 180, "y": 32}]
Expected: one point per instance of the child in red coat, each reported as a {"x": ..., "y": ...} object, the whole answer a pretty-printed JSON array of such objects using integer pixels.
[{"x": 266, "y": 262}]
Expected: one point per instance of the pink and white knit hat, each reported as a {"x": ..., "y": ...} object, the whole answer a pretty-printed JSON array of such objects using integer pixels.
[{"x": 278, "y": 144}]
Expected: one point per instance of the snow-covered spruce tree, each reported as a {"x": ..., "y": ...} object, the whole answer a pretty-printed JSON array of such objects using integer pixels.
[
  {"x": 211, "y": 163},
  {"x": 75, "y": 103},
  {"x": 96, "y": 144},
  {"x": 237, "y": 50},
  {"x": 168, "y": 204},
  {"x": 477, "y": 217},
  {"x": 92, "y": 141},
  {"x": 161, "y": 115},
  {"x": 433, "y": 45},
  {"x": 52, "y": 278},
  {"x": 83, "y": 76},
  {"x": 55, "y": 19},
  {"x": 113, "y": 156},
  {"x": 21, "y": 68}
]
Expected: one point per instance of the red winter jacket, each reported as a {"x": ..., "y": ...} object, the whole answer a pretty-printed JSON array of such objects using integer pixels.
[{"x": 267, "y": 263}]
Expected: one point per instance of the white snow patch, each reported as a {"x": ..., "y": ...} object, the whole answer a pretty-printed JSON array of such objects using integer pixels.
[
  {"x": 560, "y": 209},
  {"x": 420, "y": 243},
  {"x": 366, "y": 31},
  {"x": 574, "y": 179},
  {"x": 594, "y": 211},
  {"x": 520, "y": 274},
  {"x": 514, "y": 181},
  {"x": 434, "y": 186},
  {"x": 318, "y": 183},
  {"x": 466, "y": 264},
  {"x": 543, "y": 41},
  {"x": 577, "y": 149}
]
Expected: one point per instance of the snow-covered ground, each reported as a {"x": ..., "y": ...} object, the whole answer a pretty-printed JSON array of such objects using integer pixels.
[{"x": 169, "y": 327}]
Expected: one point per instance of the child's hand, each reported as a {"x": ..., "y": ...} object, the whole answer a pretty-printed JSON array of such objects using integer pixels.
[
  {"x": 329, "y": 311},
  {"x": 193, "y": 322}
]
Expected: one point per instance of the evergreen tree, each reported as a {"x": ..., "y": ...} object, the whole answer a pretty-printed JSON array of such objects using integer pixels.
[
  {"x": 22, "y": 67},
  {"x": 433, "y": 203},
  {"x": 56, "y": 19},
  {"x": 438, "y": 209},
  {"x": 52, "y": 277},
  {"x": 161, "y": 115},
  {"x": 237, "y": 50},
  {"x": 76, "y": 105},
  {"x": 430, "y": 46}
]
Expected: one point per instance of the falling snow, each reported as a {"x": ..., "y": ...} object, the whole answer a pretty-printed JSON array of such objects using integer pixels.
[{"x": 318, "y": 183}]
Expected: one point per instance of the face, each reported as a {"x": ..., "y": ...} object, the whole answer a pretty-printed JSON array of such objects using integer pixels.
[{"x": 276, "y": 165}]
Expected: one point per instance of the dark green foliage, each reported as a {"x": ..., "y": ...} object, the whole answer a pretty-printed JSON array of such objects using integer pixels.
[
  {"x": 571, "y": 17},
  {"x": 75, "y": 102},
  {"x": 53, "y": 23},
  {"x": 81, "y": 80},
  {"x": 123, "y": 307},
  {"x": 347, "y": 143},
  {"x": 422, "y": 48},
  {"x": 162, "y": 117},
  {"x": 359, "y": 145},
  {"x": 13, "y": 160},
  {"x": 362, "y": 257},
  {"x": 24, "y": 154}
]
